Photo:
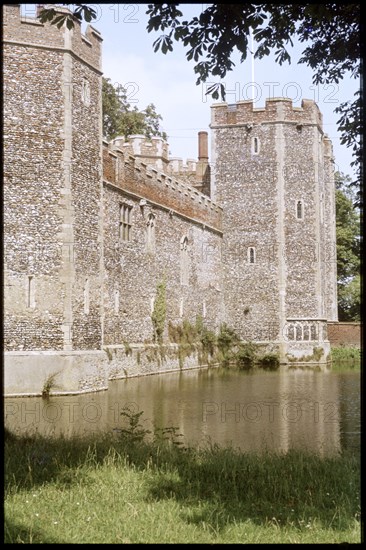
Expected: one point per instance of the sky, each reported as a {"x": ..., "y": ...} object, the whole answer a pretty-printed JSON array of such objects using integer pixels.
[{"x": 169, "y": 82}]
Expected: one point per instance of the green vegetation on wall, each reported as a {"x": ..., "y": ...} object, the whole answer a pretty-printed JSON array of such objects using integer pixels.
[
  {"x": 225, "y": 348},
  {"x": 159, "y": 313},
  {"x": 192, "y": 338},
  {"x": 311, "y": 358},
  {"x": 49, "y": 385}
]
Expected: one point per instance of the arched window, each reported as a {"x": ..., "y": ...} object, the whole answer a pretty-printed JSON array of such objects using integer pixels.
[
  {"x": 299, "y": 210},
  {"x": 184, "y": 261},
  {"x": 150, "y": 234},
  {"x": 251, "y": 255}
]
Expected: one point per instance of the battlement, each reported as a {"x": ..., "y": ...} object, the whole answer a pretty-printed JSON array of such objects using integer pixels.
[
  {"x": 29, "y": 31},
  {"x": 328, "y": 147},
  {"x": 177, "y": 166},
  {"x": 127, "y": 172},
  {"x": 277, "y": 109},
  {"x": 153, "y": 152}
]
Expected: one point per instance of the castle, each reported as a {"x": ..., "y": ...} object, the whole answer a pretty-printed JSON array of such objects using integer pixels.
[{"x": 93, "y": 229}]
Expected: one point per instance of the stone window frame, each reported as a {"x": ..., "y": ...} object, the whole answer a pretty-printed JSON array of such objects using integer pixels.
[
  {"x": 181, "y": 307},
  {"x": 299, "y": 203},
  {"x": 252, "y": 255},
  {"x": 150, "y": 233},
  {"x": 30, "y": 292},
  {"x": 184, "y": 258},
  {"x": 85, "y": 92},
  {"x": 256, "y": 145},
  {"x": 125, "y": 222},
  {"x": 302, "y": 331},
  {"x": 116, "y": 300}
]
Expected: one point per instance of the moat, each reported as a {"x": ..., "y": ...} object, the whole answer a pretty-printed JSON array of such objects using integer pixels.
[{"x": 296, "y": 409}]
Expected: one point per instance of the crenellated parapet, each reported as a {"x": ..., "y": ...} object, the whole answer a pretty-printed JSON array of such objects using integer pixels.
[
  {"x": 153, "y": 152},
  {"x": 328, "y": 147},
  {"x": 277, "y": 109},
  {"x": 133, "y": 176},
  {"x": 29, "y": 31},
  {"x": 177, "y": 166}
]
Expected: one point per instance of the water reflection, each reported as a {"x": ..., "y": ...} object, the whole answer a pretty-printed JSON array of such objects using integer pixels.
[{"x": 297, "y": 409}]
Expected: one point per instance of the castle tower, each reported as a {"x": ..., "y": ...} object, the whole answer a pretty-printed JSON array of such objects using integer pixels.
[
  {"x": 273, "y": 175},
  {"x": 53, "y": 200},
  {"x": 153, "y": 152}
]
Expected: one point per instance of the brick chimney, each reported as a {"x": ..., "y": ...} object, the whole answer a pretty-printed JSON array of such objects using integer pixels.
[{"x": 203, "y": 146}]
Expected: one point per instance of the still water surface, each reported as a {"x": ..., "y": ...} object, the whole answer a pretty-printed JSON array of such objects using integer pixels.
[{"x": 296, "y": 409}]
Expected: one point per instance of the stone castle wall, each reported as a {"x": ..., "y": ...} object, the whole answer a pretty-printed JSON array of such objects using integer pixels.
[
  {"x": 147, "y": 182},
  {"x": 31, "y": 193},
  {"x": 52, "y": 187},
  {"x": 73, "y": 286},
  {"x": 269, "y": 177},
  {"x": 92, "y": 228},
  {"x": 249, "y": 221},
  {"x": 245, "y": 113},
  {"x": 154, "y": 153},
  {"x": 33, "y": 157},
  {"x": 134, "y": 269}
]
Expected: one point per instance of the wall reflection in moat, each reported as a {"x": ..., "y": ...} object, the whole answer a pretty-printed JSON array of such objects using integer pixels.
[{"x": 298, "y": 409}]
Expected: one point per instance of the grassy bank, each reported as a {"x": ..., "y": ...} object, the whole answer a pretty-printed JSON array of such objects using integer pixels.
[
  {"x": 120, "y": 489},
  {"x": 345, "y": 356}
]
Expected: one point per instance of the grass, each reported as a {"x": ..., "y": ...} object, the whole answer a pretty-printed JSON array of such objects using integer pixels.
[
  {"x": 346, "y": 355},
  {"x": 120, "y": 488}
]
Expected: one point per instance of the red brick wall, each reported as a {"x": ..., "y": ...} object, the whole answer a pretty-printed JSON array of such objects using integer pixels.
[{"x": 344, "y": 334}]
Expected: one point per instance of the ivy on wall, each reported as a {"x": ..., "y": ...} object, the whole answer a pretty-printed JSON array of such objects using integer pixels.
[{"x": 159, "y": 313}]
